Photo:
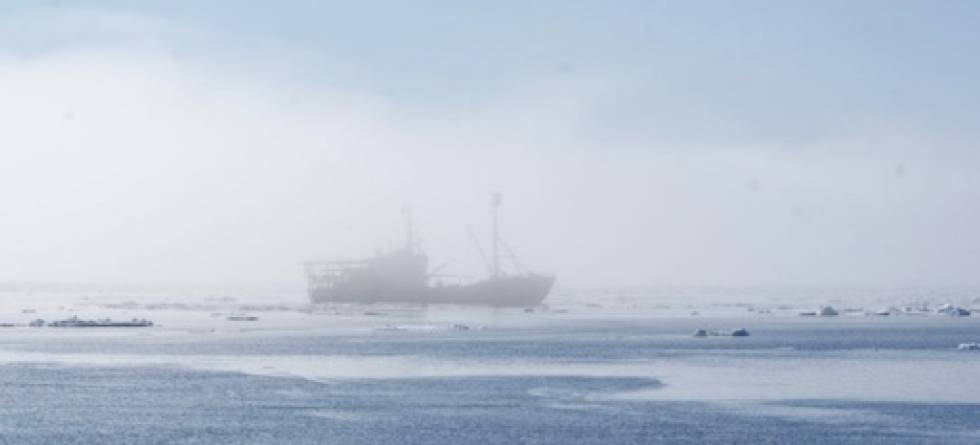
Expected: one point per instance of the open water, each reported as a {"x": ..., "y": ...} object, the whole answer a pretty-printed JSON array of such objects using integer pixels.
[{"x": 545, "y": 380}]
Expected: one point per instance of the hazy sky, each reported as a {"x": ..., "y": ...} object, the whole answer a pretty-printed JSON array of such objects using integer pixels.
[{"x": 635, "y": 142}]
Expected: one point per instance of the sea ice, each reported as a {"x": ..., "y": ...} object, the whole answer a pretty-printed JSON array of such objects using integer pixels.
[
  {"x": 740, "y": 332},
  {"x": 828, "y": 311},
  {"x": 953, "y": 311}
]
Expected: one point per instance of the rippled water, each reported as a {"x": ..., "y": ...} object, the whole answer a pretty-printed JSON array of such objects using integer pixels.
[{"x": 571, "y": 380}]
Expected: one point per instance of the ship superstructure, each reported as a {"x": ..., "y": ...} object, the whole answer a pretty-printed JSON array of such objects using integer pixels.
[{"x": 402, "y": 276}]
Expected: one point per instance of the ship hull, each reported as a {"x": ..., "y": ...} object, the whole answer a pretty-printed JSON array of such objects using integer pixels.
[{"x": 521, "y": 291}]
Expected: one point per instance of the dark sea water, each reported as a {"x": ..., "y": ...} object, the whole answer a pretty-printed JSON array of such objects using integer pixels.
[{"x": 560, "y": 382}]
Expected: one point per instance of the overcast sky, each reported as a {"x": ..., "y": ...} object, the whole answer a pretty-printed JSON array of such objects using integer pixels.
[{"x": 634, "y": 142}]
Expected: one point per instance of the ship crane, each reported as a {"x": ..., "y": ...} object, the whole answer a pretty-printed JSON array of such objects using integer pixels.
[
  {"x": 498, "y": 243},
  {"x": 498, "y": 247},
  {"x": 479, "y": 249},
  {"x": 495, "y": 234},
  {"x": 512, "y": 257}
]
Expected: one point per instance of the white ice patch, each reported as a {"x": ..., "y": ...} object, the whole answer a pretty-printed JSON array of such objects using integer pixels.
[
  {"x": 342, "y": 416},
  {"x": 327, "y": 368},
  {"x": 834, "y": 416},
  {"x": 861, "y": 376},
  {"x": 905, "y": 377}
]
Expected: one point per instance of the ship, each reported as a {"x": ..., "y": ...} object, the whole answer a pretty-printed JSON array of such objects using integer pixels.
[{"x": 402, "y": 276}]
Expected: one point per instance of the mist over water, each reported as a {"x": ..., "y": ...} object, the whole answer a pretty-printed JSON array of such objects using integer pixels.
[{"x": 158, "y": 144}]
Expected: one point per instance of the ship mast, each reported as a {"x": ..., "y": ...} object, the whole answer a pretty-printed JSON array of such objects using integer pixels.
[
  {"x": 409, "y": 229},
  {"x": 495, "y": 235}
]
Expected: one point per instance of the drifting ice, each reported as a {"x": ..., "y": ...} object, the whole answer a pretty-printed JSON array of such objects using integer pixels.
[
  {"x": 953, "y": 311},
  {"x": 828, "y": 311},
  {"x": 740, "y": 332}
]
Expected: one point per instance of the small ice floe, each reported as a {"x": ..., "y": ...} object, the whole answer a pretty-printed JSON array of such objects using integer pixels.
[
  {"x": 882, "y": 313},
  {"x": 75, "y": 322},
  {"x": 916, "y": 309},
  {"x": 740, "y": 332},
  {"x": 969, "y": 347},
  {"x": 389, "y": 327},
  {"x": 459, "y": 327},
  {"x": 909, "y": 310},
  {"x": 828, "y": 311},
  {"x": 952, "y": 311}
]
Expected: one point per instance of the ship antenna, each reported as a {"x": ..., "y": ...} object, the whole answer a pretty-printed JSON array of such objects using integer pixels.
[{"x": 495, "y": 236}]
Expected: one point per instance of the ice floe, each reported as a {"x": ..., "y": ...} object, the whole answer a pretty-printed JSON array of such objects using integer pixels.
[
  {"x": 953, "y": 311},
  {"x": 740, "y": 332}
]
